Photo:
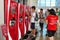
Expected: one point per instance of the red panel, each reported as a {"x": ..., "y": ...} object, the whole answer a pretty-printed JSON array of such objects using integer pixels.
[
  {"x": 27, "y": 12},
  {"x": 21, "y": 18},
  {"x": 5, "y": 15}
]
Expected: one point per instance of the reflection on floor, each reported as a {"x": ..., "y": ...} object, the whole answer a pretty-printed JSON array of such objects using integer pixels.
[{"x": 44, "y": 37}]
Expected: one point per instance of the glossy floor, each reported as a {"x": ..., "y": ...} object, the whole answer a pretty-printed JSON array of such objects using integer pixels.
[{"x": 44, "y": 37}]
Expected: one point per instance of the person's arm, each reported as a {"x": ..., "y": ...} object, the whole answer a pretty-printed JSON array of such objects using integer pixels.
[
  {"x": 46, "y": 21},
  {"x": 29, "y": 15},
  {"x": 58, "y": 22},
  {"x": 38, "y": 16}
]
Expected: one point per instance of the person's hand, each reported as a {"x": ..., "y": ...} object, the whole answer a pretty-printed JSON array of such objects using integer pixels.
[
  {"x": 39, "y": 20},
  {"x": 59, "y": 23}
]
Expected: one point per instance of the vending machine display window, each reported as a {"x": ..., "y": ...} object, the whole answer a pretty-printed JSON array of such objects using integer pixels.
[{"x": 13, "y": 10}]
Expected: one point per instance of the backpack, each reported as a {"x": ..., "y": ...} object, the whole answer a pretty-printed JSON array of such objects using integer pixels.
[{"x": 36, "y": 18}]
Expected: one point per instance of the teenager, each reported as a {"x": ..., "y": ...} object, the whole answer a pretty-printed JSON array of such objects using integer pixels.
[
  {"x": 33, "y": 15},
  {"x": 52, "y": 20},
  {"x": 41, "y": 17}
]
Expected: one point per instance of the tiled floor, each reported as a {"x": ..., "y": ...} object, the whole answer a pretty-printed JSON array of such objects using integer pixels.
[
  {"x": 43, "y": 37},
  {"x": 46, "y": 38},
  {"x": 57, "y": 35}
]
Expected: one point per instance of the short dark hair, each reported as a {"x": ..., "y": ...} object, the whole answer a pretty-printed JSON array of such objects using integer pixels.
[
  {"x": 52, "y": 12},
  {"x": 48, "y": 10},
  {"x": 56, "y": 8},
  {"x": 41, "y": 9},
  {"x": 33, "y": 7}
]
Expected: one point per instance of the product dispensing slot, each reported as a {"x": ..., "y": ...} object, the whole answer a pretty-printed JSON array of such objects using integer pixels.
[
  {"x": 12, "y": 22},
  {"x": 13, "y": 10},
  {"x": 20, "y": 19}
]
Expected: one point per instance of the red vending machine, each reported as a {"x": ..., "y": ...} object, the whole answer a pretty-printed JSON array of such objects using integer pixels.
[
  {"x": 11, "y": 10},
  {"x": 21, "y": 20},
  {"x": 13, "y": 22},
  {"x": 27, "y": 12}
]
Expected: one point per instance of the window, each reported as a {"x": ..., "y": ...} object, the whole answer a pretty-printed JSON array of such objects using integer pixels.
[
  {"x": 46, "y": 3},
  {"x": 42, "y": 2},
  {"x": 53, "y": 2},
  {"x": 57, "y": 3}
]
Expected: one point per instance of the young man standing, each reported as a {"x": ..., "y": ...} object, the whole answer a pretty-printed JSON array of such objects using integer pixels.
[
  {"x": 41, "y": 17},
  {"x": 33, "y": 15}
]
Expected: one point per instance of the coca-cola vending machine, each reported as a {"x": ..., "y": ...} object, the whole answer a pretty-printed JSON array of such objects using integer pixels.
[
  {"x": 21, "y": 18},
  {"x": 10, "y": 17},
  {"x": 13, "y": 22}
]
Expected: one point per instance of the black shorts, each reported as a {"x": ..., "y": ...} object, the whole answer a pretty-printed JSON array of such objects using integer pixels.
[
  {"x": 32, "y": 25},
  {"x": 50, "y": 33}
]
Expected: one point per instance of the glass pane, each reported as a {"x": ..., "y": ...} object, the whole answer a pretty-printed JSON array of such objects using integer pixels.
[
  {"x": 47, "y": 0},
  {"x": 52, "y": 4},
  {"x": 57, "y": 3},
  {"x": 42, "y": 4},
  {"x": 38, "y": 3},
  {"x": 42, "y": 1},
  {"x": 53, "y": 0},
  {"x": 48, "y": 4}
]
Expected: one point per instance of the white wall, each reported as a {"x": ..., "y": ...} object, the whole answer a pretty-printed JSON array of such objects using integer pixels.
[{"x": 1, "y": 17}]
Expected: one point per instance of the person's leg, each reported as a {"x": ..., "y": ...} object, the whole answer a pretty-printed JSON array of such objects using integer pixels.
[
  {"x": 41, "y": 26},
  {"x": 51, "y": 35},
  {"x": 34, "y": 32},
  {"x": 44, "y": 32},
  {"x": 33, "y": 29},
  {"x": 51, "y": 38}
]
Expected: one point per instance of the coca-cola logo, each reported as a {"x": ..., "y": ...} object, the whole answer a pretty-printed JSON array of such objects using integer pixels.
[{"x": 4, "y": 30}]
